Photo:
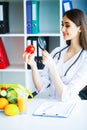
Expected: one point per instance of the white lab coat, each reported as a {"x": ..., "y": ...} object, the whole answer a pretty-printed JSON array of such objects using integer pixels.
[{"x": 75, "y": 79}]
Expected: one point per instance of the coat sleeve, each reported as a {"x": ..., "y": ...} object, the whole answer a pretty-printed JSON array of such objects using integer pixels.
[{"x": 45, "y": 75}]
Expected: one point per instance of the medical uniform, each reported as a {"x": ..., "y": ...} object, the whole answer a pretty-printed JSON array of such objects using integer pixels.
[{"x": 73, "y": 74}]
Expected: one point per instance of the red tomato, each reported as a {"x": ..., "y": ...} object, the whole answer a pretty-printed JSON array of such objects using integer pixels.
[
  {"x": 30, "y": 49},
  {"x": 3, "y": 88}
]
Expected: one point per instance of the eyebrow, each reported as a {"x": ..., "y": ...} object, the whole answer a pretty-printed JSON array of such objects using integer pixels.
[{"x": 65, "y": 22}]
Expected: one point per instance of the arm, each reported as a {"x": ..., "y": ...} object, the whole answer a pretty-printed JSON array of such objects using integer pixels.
[
  {"x": 36, "y": 78},
  {"x": 49, "y": 62},
  {"x": 29, "y": 58}
]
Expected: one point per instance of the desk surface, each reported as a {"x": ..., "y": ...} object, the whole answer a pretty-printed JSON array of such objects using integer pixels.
[{"x": 76, "y": 121}]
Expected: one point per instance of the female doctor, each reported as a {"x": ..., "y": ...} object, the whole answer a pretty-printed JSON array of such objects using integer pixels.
[{"x": 65, "y": 68}]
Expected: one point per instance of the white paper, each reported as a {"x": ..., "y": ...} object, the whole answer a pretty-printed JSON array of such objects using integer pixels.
[
  {"x": 35, "y": 45},
  {"x": 67, "y": 6},
  {"x": 55, "y": 109},
  {"x": 33, "y": 11},
  {"x": 28, "y": 42},
  {"x": 1, "y": 13}
]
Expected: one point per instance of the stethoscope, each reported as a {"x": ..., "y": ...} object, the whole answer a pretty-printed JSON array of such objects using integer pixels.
[
  {"x": 42, "y": 45},
  {"x": 59, "y": 52}
]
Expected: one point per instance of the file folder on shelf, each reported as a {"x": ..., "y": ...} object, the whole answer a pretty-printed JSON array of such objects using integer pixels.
[
  {"x": 4, "y": 17},
  {"x": 29, "y": 16},
  {"x": 35, "y": 17},
  {"x": 4, "y": 62},
  {"x": 67, "y": 5}
]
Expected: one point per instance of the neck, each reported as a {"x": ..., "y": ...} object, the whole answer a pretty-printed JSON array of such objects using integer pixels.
[{"x": 74, "y": 47}]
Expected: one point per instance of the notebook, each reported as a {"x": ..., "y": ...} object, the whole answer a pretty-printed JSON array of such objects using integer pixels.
[{"x": 54, "y": 109}]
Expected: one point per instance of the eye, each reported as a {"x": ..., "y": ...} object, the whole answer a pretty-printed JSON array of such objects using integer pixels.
[
  {"x": 67, "y": 25},
  {"x": 62, "y": 24}
]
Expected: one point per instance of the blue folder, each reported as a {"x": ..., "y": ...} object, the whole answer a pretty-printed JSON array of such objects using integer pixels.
[
  {"x": 66, "y": 5},
  {"x": 29, "y": 16}
]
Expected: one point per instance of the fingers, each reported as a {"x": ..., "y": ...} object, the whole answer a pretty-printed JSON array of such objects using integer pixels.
[
  {"x": 45, "y": 53},
  {"x": 26, "y": 56},
  {"x": 45, "y": 57}
]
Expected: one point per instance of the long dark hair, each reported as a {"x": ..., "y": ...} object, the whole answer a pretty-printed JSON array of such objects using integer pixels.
[{"x": 79, "y": 18}]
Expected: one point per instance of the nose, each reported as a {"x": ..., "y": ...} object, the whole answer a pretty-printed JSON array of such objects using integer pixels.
[{"x": 63, "y": 29}]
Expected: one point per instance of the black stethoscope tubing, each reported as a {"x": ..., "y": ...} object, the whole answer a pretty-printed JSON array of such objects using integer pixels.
[
  {"x": 59, "y": 52},
  {"x": 72, "y": 63}
]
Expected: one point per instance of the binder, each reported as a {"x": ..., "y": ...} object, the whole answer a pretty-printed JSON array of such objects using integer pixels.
[
  {"x": 34, "y": 42},
  {"x": 29, "y": 16},
  {"x": 35, "y": 17},
  {"x": 38, "y": 56},
  {"x": 29, "y": 42},
  {"x": 4, "y": 17},
  {"x": 4, "y": 62},
  {"x": 67, "y": 5}
]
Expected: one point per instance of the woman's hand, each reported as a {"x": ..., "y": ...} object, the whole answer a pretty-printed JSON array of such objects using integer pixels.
[
  {"x": 47, "y": 59},
  {"x": 50, "y": 63},
  {"x": 29, "y": 58}
]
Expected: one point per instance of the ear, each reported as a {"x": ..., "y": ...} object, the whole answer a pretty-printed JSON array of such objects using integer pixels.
[{"x": 79, "y": 28}]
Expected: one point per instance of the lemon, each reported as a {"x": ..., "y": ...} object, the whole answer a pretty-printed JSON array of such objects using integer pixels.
[
  {"x": 11, "y": 110},
  {"x": 3, "y": 103}
]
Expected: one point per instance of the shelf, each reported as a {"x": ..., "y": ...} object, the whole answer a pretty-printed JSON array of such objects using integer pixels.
[
  {"x": 11, "y": 0},
  {"x": 15, "y": 40},
  {"x": 44, "y": 34},
  {"x": 15, "y": 77},
  {"x": 12, "y": 35},
  {"x": 14, "y": 67}
]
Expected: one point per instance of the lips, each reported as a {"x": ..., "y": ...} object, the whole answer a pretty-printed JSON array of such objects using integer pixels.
[{"x": 64, "y": 34}]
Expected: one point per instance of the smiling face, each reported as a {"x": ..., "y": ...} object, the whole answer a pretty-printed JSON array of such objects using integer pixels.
[{"x": 69, "y": 29}]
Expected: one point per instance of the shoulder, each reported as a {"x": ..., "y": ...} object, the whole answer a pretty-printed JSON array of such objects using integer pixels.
[
  {"x": 84, "y": 55},
  {"x": 85, "y": 51},
  {"x": 83, "y": 60}
]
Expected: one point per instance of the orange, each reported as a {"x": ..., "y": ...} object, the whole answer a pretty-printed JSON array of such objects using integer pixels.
[
  {"x": 3, "y": 103},
  {"x": 11, "y": 110}
]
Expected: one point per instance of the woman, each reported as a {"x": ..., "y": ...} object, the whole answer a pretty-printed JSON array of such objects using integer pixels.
[{"x": 65, "y": 68}]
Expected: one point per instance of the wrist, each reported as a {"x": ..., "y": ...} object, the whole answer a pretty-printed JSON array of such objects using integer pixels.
[
  {"x": 52, "y": 66},
  {"x": 33, "y": 66}
]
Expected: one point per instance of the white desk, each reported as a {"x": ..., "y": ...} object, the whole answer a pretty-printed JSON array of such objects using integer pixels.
[{"x": 76, "y": 121}]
